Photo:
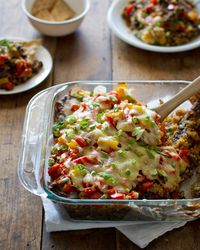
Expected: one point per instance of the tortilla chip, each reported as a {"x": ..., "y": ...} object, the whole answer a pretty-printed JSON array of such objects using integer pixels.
[
  {"x": 61, "y": 11},
  {"x": 42, "y": 5},
  {"x": 45, "y": 15}
]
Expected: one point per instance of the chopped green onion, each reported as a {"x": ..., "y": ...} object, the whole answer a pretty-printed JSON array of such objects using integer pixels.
[
  {"x": 142, "y": 144},
  {"x": 173, "y": 164},
  {"x": 54, "y": 151},
  {"x": 113, "y": 165},
  {"x": 162, "y": 173},
  {"x": 161, "y": 153},
  {"x": 135, "y": 120},
  {"x": 128, "y": 172},
  {"x": 153, "y": 124},
  {"x": 63, "y": 148},
  {"x": 122, "y": 153},
  {"x": 70, "y": 120},
  {"x": 81, "y": 168},
  {"x": 63, "y": 180},
  {"x": 78, "y": 97},
  {"x": 150, "y": 153},
  {"x": 92, "y": 126},
  {"x": 116, "y": 109},
  {"x": 95, "y": 104},
  {"x": 51, "y": 161},
  {"x": 104, "y": 154},
  {"x": 84, "y": 124},
  {"x": 104, "y": 175},
  {"x": 133, "y": 162},
  {"x": 139, "y": 154},
  {"x": 131, "y": 141},
  {"x": 137, "y": 132},
  {"x": 112, "y": 98},
  {"x": 112, "y": 181},
  {"x": 99, "y": 117},
  {"x": 147, "y": 119},
  {"x": 69, "y": 132},
  {"x": 104, "y": 196},
  {"x": 57, "y": 127}
]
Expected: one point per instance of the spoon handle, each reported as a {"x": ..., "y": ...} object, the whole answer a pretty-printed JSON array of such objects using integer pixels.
[{"x": 166, "y": 108}]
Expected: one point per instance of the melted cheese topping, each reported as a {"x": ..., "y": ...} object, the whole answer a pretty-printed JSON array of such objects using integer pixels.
[{"x": 112, "y": 144}]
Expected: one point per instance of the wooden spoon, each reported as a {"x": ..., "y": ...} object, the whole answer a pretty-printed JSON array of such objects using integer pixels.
[{"x": 165, "y": 109}]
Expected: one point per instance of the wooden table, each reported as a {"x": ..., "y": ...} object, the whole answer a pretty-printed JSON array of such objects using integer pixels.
[{"x": 92, "y": 53}]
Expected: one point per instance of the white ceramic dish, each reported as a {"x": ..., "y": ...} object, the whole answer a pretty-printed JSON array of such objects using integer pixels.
[
  {"x": 42, "y": 55},
  {"x": 61, "y": 28},
  {"x": 119, "y": 28}
]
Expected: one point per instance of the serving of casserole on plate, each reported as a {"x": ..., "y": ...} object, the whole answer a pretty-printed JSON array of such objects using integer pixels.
[{"x": 96, "y": 149}]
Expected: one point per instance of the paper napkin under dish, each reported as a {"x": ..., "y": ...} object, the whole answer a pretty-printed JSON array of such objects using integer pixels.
[{"x": 140, "y": 233}]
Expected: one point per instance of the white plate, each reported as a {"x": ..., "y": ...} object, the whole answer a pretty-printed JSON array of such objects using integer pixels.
[
  {"x": 42, "y": 55},
  {"x": 120, "y": 29}
]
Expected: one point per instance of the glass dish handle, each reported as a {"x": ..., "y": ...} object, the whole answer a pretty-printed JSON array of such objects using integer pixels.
[{"x": 31, "y": 162}]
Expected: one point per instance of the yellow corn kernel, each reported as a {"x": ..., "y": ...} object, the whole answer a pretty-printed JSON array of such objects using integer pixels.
[
  {"x": 72, "y": 144},
  {"x": 122, "y": 85},
  {"x": 139, "y": 108},
  {"x": 62, "y": 140},
  {"x": 129, "y": 105},
  {"x": 108, "y": 142}
]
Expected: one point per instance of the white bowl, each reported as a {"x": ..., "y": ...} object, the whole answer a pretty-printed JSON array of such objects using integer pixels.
[{"x": 60, "y": 28}]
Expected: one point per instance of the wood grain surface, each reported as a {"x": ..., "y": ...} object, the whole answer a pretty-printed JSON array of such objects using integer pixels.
[{"x": 91, "y": 53}]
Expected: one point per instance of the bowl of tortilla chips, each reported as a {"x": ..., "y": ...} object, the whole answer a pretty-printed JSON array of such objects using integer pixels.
[{"x": 56, "y": 17}]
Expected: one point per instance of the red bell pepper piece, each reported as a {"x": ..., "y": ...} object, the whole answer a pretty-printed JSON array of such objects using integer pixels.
[
  {"x": 129, "y": 9},
  {"x": 146, "y": 185},
  {"x": 184, "y": 152},
  {"x": 118, "y": 196},
  {"x": 55, "y": 171},
  {"x": 81, "y": 142},
  {"x": 154, "y": 1},
  {"x": 86, "y": 160},
  {"x": 8, "y": 85}
]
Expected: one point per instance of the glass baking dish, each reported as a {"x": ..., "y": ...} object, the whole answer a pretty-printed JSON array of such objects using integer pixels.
[{"x": 35, "y": 150}]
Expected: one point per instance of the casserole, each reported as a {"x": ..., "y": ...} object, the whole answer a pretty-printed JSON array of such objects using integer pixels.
[{"x": 35, "y": 151}]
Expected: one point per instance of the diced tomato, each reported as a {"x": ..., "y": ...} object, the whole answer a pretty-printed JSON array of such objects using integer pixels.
[
  {"x": 107, "y": 101},
  {"x": 149, "y": 8},
  {"x": 129, "y": 9},
  {"x": 84, "y": 106},
  {"x": 168, "y": 154},
  {"x": 118, "y": 196},
  {"x": 157, "y": 118},
  {"x": 95, "y": 195},
  {"x": 55, "y": 171},
  {"x": 68, "y": 187},
  {"x": 133, "y": 195},
  {"x": 184, "y": 152},
  {"x": 181, "y": 27},
  {"x": 89, "y": 191},
  {"x": 81, "y": 142},
  {"x": 111, "y": 190},
  {"x": 75, "y": 107},
  {"x": 176, "y": 157},
  {"x": 146, "y": 185},
  {"x": 86, "y": 160},
  {"x": 154, "y": 1},
  {"x": 26, "y": 72},
  {"x": 111, "y": 121},
  {"x": 3, "y": 58},
  {"x": 141, "y": 178},
  {"x": 8, "y": 86}
]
